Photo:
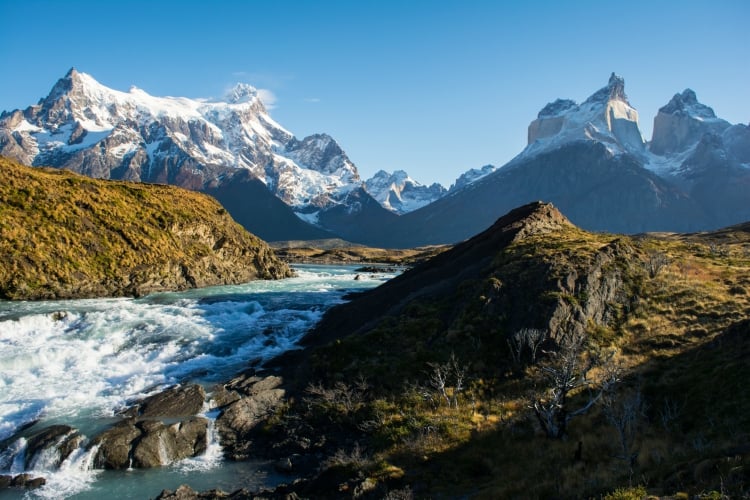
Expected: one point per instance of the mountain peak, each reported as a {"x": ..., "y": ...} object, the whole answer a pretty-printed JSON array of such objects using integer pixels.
[
  {"x": 687, "y": 103},
  {"x": 615, "y": 90},
  {"x": 682, "y": 122},
  {"x": 241, "y": 92},
  {"x": 606, "y": 117}
]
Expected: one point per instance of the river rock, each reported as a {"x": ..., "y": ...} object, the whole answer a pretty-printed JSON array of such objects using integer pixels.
[
  {"x": 162, "y": 444},
  {"x": 5, "y": 481},
  {"x": 221, "y": 396},
  {"x": 185, "y": 492},
  {"x": 27, "y": 481},
  {"x": 150, "y": 443},
  {"x": 115, "y": 444},
  {"x": 177, "y": 401},
  {"x": 51, "y": 446}
]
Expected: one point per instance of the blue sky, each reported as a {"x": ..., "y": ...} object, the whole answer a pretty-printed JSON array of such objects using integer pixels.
[{"x": 430, "y": 87}]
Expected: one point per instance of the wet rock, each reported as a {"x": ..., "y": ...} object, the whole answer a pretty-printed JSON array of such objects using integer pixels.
[
  {"x": 51, "y": 446},
  {"x": 115, "y": 444},
  {"x": 5, "y": 481},
  {"x": 27, "y": 481},
  {"x": 178, "y": 401},
  {"x": 150, "y": 443},
  {"x": 162, "y": 444},
  {"x": 221, "y": 396}
]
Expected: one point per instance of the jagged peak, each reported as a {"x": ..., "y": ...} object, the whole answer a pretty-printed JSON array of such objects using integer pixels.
[
  {"x": 241, "y": 92},
  {"x": 557, "y": 107},
  {"x": 687, "y": 103},
  {"x": 615, "y": 90}
]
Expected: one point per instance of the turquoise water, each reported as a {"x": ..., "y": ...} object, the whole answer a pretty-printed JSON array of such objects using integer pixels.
[{"x": 78, "y": 362}]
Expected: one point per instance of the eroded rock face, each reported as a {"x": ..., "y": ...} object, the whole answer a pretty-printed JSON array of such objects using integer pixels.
[
  {"x": 601, "y": 285},
  {"x": 261, "y": 398}
]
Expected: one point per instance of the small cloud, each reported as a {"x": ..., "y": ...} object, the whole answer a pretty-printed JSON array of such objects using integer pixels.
[
  {"x": 312, "y": 99},
  {"x": 268, "y": 98}
]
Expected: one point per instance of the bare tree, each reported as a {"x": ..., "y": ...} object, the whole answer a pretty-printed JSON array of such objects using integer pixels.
[
  {"x": 526, "y": 340},
  {"x": 459, "y": 377},
  {"x": 656, "y": 262},
  {"x": 565, "y": 371},
  {"x": 439, "y": 379},
  {"x": 447, "y": 375}
]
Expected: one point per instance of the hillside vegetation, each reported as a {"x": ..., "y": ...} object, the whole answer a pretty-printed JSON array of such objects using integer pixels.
[
  {"x": 337, "y": 251},
  {"x": 63, "y": 235},
  {"x": 446, "y": 381}
]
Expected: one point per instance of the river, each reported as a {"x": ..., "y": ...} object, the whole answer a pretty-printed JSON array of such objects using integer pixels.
[{"x": 79, "y": 362}]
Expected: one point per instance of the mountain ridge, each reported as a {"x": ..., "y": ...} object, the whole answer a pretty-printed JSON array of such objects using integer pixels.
[{"x": 613, "y": 179}]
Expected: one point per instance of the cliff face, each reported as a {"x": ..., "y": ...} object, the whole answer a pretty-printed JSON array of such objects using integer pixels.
[{"x": 67, "y": 236}]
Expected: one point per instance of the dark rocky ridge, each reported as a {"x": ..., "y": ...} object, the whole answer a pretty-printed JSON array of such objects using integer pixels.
[{"x": 67, "y": 236}]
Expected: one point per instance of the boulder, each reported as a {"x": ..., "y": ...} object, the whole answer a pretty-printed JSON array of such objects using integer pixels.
[
  {"x": 115, "y": 445},
  {"x": 150, "y": 443},
  {"x": 177, "y": 401},
  {"x": 162, "y": 444},
  {"x": 27, "y": 481}
]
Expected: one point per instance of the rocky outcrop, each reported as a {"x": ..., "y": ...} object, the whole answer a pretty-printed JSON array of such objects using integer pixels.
[
  {"x": 25, "y": 481},
  {"x": 158, "y": 430},
  {"x": 179, "y": 401},
  {"x": 67, "y": 236},
  {"x": 259, "y": 397},
  {"x": 48, "y": 448},
  {"x": 149, "y": 443},
  {"x": 590, "y": 296}
]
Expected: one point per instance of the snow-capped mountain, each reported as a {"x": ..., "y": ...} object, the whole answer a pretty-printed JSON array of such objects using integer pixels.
[
  {"x": 605, "y": 117},
  {"x": 400, "y": 193},
  {"x": 198, "y": 144},
  {"x": 590, "y": 160},
  {"x": 471, "y": 175}
]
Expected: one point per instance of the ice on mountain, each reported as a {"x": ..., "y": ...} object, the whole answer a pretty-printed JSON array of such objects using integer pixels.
[
  {"x": 606, "y": 116},
  {"x": 400, "y": 193}
]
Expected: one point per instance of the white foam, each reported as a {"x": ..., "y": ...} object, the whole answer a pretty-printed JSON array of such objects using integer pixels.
[{"x": 73, "y": 362}]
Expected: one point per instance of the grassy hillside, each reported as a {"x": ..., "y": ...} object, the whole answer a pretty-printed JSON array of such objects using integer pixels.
[
  {"x": 64, "y": 235},
  {"x": 419, "y": 388},
  {"x": 340, "y": 251}
]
